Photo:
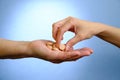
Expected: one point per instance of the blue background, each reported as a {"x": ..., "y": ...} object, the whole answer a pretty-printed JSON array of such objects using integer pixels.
[{"x": 32, "y": 19}]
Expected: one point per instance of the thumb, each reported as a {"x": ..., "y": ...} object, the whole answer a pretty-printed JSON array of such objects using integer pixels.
[{"x": 77, "y": 38}]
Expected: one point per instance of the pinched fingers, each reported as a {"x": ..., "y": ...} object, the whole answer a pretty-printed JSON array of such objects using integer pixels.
[
  {"x": 56, "y": 26},
  {"x": 82, "y": 35},
  {"x": 61, "y": 32}
]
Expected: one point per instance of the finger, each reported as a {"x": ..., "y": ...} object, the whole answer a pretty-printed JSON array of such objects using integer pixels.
[
  {"x": 77, "y": 38},
  {"x": 72, "y": 55},
  {"x": 54, "y": 30},
  {"x": 61, "y": 32},
  {"x": 80, "y": 53},
  {"x": 85, "y": 51},
  {"x": 56, "y": 25},
  {"x": 63, "y": 56}
]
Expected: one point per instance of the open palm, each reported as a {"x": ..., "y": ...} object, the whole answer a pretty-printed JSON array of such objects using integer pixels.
[{"x": 40, "y": 50}]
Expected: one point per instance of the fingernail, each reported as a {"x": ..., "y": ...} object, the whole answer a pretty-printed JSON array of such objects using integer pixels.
[{"x": 91, "y": 51}]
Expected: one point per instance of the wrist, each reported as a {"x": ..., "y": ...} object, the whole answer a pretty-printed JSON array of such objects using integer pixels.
[
  {"x": 102, "y": 30},
  {"x": 22, "y": 50},
  {"x": 27, "y": 52}
]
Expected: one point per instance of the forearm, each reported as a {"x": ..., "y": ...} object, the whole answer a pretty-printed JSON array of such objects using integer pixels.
[
  {"x": 110, "y": 34},
  {"x": 13, "y": 49}
]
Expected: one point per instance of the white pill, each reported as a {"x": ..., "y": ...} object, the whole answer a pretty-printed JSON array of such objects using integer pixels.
[{"x": 62, "y": 47}]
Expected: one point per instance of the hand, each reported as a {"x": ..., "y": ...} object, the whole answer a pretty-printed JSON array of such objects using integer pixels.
[
  {"x": 82, "y": 29},
  {"x": 38, "y": 49}
]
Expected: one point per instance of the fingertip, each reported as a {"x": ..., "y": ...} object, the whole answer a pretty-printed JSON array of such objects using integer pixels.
[
  {"x": 67, "y": 48},
  {"x": 86, "y": 51},
  {"x": 89, "y": 49},
  {"x": 55, "y": 28},
  {"x": 57, "y": 44},
  {"x": 72, "y": 41}
]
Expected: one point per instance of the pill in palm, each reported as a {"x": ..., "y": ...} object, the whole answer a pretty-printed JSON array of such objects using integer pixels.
[
  {"x": 62, "y": 47},
  {"x": 52, "y": 46}
]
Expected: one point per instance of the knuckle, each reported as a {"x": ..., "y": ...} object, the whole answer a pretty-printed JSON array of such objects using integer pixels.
[
  {"x": 72, "y": 21},
  {"x": 70, "y": 17},
  {"x": 55, "y": 25},
  {"x": 61, "y": 29}
]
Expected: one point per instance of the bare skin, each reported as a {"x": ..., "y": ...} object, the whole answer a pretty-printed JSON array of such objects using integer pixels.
[
  {"x": 84, "y": 30},
  {"x": 38, "y": 49}
]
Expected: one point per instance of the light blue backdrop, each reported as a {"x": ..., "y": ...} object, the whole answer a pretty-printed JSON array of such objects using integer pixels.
[{"x": 32, "y": 19}]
